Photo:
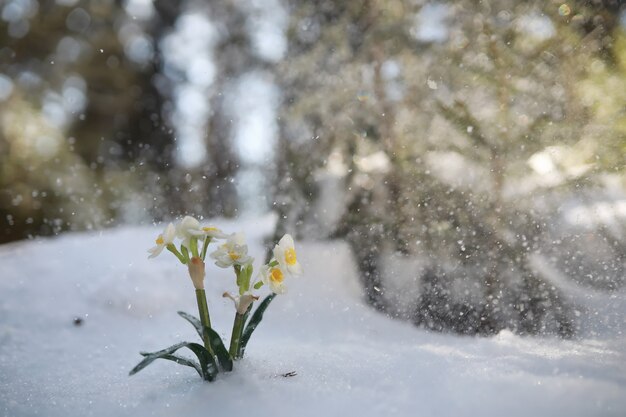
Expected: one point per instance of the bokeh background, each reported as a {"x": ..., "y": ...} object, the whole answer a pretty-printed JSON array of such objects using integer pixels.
[{"x": 471, "y": 153}]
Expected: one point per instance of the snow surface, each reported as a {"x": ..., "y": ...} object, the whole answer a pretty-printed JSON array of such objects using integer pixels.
[{"x": 349, "y": 359}]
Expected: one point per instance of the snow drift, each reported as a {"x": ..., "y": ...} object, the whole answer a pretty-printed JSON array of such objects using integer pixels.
[{"x": 348, "y": 359}]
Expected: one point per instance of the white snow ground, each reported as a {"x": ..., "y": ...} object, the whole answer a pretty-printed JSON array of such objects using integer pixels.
[{"x": 349, "y": 360}]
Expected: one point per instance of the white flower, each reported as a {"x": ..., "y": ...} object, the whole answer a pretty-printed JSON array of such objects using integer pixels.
[
  {"x": 187, "y": 229},
  {"x": 164, "y": 239},
  {"x": 233, "y": 252},
  {"x": 285, "y": 254},
  {"x": 213, "y": 232},
  {"x": 196, "y": 272},
  {"x": 242, "y": 302},
  {"x": 274, "y": 277}
]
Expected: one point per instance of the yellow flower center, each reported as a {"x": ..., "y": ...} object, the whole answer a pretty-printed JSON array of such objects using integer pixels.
[
  {"x": 290, "y": 256},
  {"x": 234, "y": 256},
  {"x": 276, "y": 275},
  {"x": 159, "y": 240},
  {"x": 210, "y": 229}
]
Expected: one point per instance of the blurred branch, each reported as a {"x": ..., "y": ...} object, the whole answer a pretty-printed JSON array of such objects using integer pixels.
[
  {"x": 529, "y": 138},
  {"x": 460, "y": 117}
]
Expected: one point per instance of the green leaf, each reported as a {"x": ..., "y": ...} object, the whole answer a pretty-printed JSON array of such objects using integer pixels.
[
  {"x": 207, "y": 362},
  {"x": 223, "y": 357},
  {"x": 207, "y": 369},
  {"x": 170, "y": 349},
  {"x": 256, "y": 318},
  {"x": 195, "y": 322},
  {"x": 258, "y": 285},
  {"x": 152, "y": 356},
  {"x": 183, "y": 361}
]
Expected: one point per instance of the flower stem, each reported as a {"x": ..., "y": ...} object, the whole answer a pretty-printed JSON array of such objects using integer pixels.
[
  {"x": 235, "y": 338},
  {"x": 207, "y": 240},
  {"x": 185, "y": 253},
  {"x": 193, "y": 243},
  {"x": 203, "y": 310},
  {"x": 175, "y": 251}
]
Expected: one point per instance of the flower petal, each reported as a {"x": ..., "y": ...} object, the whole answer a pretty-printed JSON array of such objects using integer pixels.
[
  {"x": 286, "y": 242},
  {"x": 278, "y": 288},
  {"x": 295, "y": 269},
  {"x": 155, "y": 251},
  {"x": 169, "y": 233}
]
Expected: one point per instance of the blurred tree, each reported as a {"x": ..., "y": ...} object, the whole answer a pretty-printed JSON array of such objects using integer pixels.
[
  {"x": 92, "y": 72},
  {"x": 364, "y": 87},
  {"x": 435, "y": 137},
  {"x": 335, "y": 104},
  {"x": 44, "y": 186},
  {"x": 233, "y": 58}
]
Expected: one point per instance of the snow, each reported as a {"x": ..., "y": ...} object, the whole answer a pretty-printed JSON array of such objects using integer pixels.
[{"x": 349, "y": 359}]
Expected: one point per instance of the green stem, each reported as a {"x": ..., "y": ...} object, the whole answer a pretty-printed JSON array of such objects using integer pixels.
[
  {"x": 185, "y": 253},
  {"x": 245, "y": 282},
  {"x": 193, "y": 243},
  {"x": 207, "y": 240},
  {"x": 241, "y": 280},
  {"x": 175, "y": 251},
  {"x": 235, "y": 338},
  {"x": 237, "y": 269},
  {"x": 203, "y": 310}
]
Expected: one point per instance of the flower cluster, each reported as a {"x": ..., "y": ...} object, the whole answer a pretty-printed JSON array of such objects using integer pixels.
[
  {"x": 284, "y": 261},
  {"x": 231, "y": 252}
]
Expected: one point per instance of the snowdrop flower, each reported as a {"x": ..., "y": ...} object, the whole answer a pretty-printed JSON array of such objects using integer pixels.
[
  {"x": 273, "y": 276},
  {"x": 233, "y": 252},
  {"x": 196, "y": 272},
  {"x": 213, "y": 232},
  {"x": 285, "y": 254},
  {"x": 242, "y": 302},
  {"x": 187, "y": 229},
  {"x": 164, "y": 239}
]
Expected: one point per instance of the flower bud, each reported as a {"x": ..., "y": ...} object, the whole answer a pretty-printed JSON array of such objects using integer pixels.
[
  {"x": 244, "y": 302},
  {"x": 196, "y": 272}
]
